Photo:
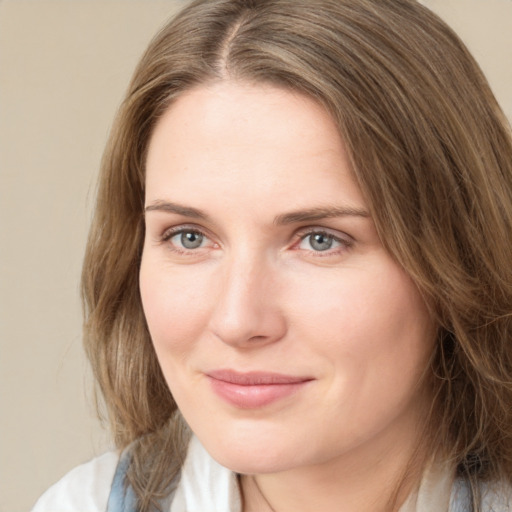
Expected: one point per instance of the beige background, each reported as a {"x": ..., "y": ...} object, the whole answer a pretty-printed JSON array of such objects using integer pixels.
[{"x": 64, "y": 66}]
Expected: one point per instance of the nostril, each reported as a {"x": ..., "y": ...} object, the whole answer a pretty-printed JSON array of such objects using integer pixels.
[{"x": 257, "y": 338}]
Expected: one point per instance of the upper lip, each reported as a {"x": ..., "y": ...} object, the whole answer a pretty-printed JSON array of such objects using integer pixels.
[{"x": 255, "y": 378}]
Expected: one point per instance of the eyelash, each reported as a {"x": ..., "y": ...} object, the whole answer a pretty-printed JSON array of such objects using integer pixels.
[{"x": 345, "y": 243}]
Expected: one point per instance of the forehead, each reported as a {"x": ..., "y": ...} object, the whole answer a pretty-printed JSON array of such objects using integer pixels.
[
  {"x": 251, "y": 141},
  {"x": 242, "y": 111}
]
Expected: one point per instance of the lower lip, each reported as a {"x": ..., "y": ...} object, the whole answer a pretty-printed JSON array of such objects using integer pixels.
[{"x": 253, "y": 397}]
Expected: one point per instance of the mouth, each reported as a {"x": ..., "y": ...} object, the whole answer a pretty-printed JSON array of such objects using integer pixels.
[{"x": 254, "y": 390}]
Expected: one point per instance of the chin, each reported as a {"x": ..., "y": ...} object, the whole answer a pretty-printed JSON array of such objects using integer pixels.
[
  {"x": 249, "y": 462},
  {"x": 259, "y": 454}
]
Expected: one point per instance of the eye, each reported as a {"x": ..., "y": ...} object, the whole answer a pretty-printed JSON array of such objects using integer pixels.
[
  {"x": 190, "y": 239},
  {"x": 186, "y": 239},
  {"x": 320, "y": 241}
]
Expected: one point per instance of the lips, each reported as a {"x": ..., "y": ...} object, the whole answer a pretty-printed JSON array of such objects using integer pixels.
[{"x": 254, "y": 389}]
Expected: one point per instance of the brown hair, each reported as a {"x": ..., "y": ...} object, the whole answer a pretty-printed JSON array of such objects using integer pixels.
[{"x": 432, "y": 153}]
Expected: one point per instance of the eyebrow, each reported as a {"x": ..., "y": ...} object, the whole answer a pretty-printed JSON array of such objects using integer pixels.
[
  {"x": 308, "y": 215},
  {"x": 312, "y": 214},
  {"x": 166, "y": 206}
]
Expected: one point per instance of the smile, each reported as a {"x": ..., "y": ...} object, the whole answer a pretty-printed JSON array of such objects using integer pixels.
[{"x": 254, "y": 389}]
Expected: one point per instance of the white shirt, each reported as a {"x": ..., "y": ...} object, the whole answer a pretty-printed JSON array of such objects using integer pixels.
[
  {"x": 84, "y": 489},
  {"x": 206, "y": 486}
]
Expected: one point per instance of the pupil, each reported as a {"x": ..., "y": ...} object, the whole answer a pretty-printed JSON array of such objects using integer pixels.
[
  {"x": 191, "y": 240},
  {"x": 321, "y": 242}
]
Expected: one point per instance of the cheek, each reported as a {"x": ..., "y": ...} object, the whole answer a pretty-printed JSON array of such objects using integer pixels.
[
  {"x": 393, "y": 340},
  {"x": 175, "y": 306},
  {"x": 371, "y": 325},
  {"x": 349, "y": 309}
]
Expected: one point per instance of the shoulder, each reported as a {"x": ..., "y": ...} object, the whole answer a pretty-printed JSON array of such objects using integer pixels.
[
  {"x": 495, "y": 496},
  {"x": 85, "y": 488}
]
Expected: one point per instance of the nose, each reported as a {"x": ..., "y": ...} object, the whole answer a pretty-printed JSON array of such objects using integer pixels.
[{"x": 247, "y": 312}]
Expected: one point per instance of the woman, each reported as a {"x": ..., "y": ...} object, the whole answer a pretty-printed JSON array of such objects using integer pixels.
[{"x": 298, "y": 279}]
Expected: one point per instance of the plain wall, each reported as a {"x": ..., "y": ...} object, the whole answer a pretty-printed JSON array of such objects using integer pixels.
[{"x": 64, "y": 66}]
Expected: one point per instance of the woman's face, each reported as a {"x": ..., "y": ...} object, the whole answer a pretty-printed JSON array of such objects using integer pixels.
[{"x": 287, "y": 334}]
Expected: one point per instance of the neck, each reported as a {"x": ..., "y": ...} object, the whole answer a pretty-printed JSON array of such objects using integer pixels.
[{"x": 378, "y": 476}]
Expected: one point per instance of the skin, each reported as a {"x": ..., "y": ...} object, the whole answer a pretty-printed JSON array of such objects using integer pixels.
[{"x": 258, "y": 294}]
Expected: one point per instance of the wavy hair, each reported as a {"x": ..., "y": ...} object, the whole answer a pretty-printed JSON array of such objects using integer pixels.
[{"x": 432, "y": 153}]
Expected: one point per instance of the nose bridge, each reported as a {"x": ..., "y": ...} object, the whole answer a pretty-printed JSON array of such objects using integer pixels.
[
  {"x": 246, "y": 309},
  {"x": 243, "y": 278}
]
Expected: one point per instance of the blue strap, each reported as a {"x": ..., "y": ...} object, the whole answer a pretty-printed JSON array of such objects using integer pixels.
[{"x": 122, "y": 498}]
